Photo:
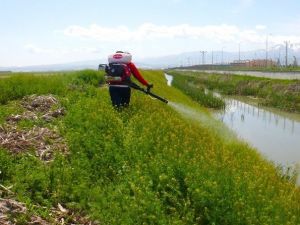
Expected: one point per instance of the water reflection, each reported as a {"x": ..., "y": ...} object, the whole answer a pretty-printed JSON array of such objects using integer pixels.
[
  {"x": 276, "y": 136},
  {"x": 169, "y": 79}
]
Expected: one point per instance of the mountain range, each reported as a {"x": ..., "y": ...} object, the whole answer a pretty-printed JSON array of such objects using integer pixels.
[{"x": 276, "y": 53}]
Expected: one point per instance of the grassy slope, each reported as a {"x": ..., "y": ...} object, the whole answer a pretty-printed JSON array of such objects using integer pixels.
[{"x": 149, "y": 165}]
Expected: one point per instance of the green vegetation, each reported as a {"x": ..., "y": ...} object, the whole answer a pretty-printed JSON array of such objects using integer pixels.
[
  {"x": 282, "y": 94},
  {"x": 17, "y": 86},
  {"x": 197, "y": 93},
  {"x": 142, "y": 165}
]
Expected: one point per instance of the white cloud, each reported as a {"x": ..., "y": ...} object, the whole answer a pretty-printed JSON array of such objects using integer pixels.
[
  {"x": 37, "y": 50},
  {"x": 148, "y": 31},
  {"x": 260, "y": 27},
  {"x": 34, "y": 49},
  {"x": 150, "y": 39},
  {"x": 280, "y": 39}
]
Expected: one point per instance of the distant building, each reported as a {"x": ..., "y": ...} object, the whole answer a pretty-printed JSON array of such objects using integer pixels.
[
  {"x": 253, "y": 63},
  {"x": 240, "y": 63}
]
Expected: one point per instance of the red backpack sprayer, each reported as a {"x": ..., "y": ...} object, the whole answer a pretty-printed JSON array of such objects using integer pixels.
[{"x": 118, "y": 73}]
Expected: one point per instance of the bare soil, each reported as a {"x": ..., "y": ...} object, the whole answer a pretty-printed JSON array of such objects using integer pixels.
[{"x": 43, "y": 140}]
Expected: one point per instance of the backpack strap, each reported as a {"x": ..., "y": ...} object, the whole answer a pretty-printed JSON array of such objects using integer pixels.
[{"x": 117, "y": 73}]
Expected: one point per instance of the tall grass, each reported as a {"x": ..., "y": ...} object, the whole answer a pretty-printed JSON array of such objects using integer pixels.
[
  {"x": 17, "y": 86},
  {"x": 148, "y": 165},
  {"x": 197, "y": 93}
]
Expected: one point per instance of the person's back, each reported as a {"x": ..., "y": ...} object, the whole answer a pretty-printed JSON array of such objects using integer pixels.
[{"x": 119, "y": 70}]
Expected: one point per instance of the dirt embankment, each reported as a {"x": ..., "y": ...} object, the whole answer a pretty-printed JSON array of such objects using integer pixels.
[
  {"x": 43, "y": 140},
  {"x": 13, "y": 212}
]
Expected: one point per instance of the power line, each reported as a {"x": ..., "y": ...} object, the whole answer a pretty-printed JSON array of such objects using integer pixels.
[{"x": 203, "y": 56}]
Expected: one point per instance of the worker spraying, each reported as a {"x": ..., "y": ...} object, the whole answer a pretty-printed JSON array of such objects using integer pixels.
[{"x": 118, "y": 77}]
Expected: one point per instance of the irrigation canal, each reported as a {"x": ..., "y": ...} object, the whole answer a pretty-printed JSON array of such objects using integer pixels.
[
  {"x": 273, "y": 75},
  {"x": 274, "y": 133}
]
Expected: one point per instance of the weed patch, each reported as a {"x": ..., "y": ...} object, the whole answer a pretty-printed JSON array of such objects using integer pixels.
[{"x": 197, "y": 93}]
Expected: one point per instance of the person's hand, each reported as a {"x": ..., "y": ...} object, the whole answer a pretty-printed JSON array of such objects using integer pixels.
[{"x": 149, "y": 86}]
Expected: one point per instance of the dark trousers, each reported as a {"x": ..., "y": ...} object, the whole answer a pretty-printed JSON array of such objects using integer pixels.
[{"x": 120, "y": 96}]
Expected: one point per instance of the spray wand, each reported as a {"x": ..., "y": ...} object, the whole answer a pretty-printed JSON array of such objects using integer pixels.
[{"x": 147, "y": 91}]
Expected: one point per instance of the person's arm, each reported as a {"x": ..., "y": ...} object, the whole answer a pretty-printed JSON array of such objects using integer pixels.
[{"x": 137, "y": 74}]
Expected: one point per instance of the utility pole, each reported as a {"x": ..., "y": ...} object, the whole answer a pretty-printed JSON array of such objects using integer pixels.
[
  {"x": 267, "y": 51},
  {"x": 203, "y": 56},
  {"x": 239, "y": 52},
  {"x": 222, "y": 56},
  {"x": 212, "y": 57},
  {"x": 286, "y": 53}
]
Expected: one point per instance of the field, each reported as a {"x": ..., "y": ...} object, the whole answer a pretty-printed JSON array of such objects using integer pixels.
[{"x": 145, "y": 164}]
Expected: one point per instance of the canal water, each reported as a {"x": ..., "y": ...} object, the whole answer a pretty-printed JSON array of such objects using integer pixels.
[
  {"x": 274, "y": 133},
  {"x": 169, "y": 79}
]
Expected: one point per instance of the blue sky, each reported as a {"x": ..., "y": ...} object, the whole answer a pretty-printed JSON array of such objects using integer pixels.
[{"x": 37, "y": 32}]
